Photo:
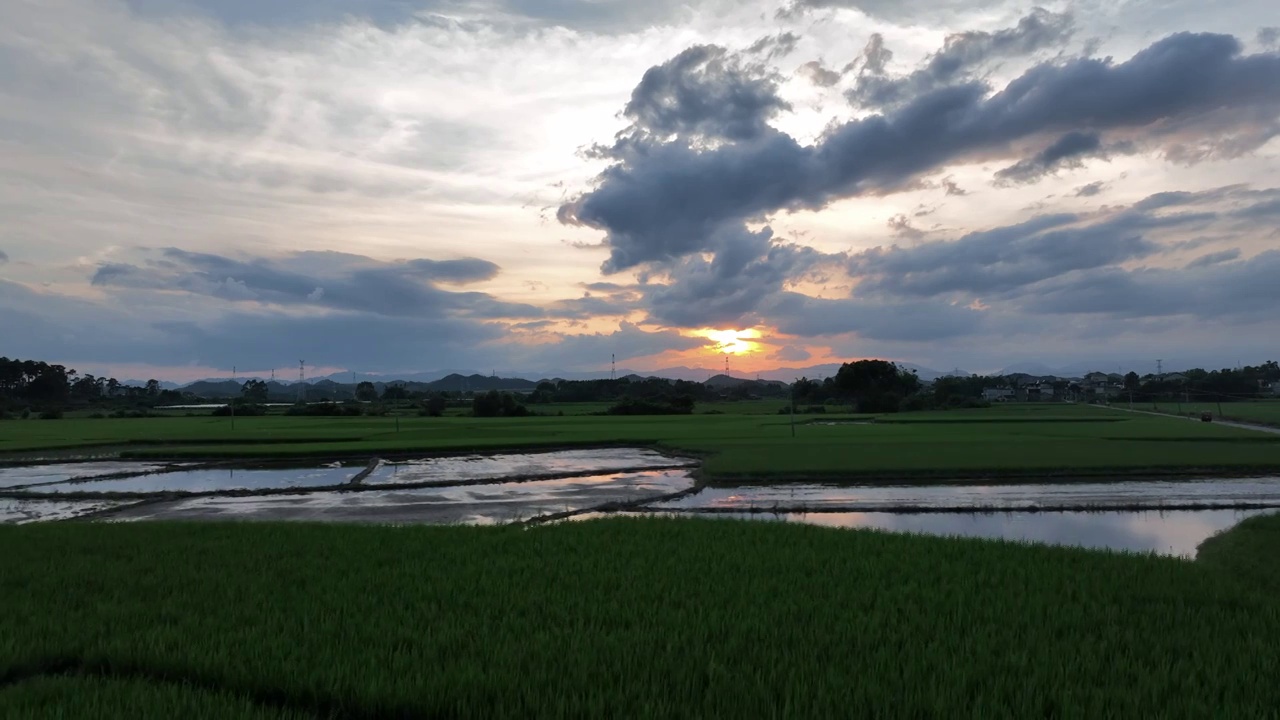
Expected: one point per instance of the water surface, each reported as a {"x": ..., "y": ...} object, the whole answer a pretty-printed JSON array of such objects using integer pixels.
[
  {"x": 11, "y": 477},
  {"x": 1220, "y": 492},
  {"x": 491, "y": 467},
  {"x": 14, "y": 511},
  {"x": 471, "y": 504},
  {"x": 211, "y": 480},
  {"x": 1176, "y": 532}
]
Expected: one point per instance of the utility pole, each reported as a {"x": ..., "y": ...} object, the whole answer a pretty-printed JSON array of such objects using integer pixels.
[
  {"x": 613, "y": 366},
  {"x": 232, "y": 404},
  {"x": 793, "y": 406},
  {"x": 302, "y": 380}
]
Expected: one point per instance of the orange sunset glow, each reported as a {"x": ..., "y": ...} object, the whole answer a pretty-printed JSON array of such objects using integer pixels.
[{"x": 733, "y": 342}]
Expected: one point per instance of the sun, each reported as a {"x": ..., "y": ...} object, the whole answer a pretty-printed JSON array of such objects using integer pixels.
[{"x": 733, "y": 342}]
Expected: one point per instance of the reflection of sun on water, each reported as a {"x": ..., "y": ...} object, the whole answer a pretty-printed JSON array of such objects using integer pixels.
[{"x": 733, "y": 342}]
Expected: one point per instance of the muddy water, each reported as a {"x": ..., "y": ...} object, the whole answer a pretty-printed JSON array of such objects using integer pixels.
[
  {"x": 1175, "y": 533},
  {"x": 473, "y": 504},
  {"x": 24, "y": 511},
  {"x": 11, "y": 477},
  {"x": 211, "y": 480},
  {"x": 1215, "y": 492},
  {"x": 489, "y": 467}
]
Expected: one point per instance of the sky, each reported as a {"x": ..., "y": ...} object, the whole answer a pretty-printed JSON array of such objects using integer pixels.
[{"x": 383, "y": 186}]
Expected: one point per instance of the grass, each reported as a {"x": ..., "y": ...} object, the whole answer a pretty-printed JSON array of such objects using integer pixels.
[
  {"x": 1008, "y": 442},
  {"x": 1248, "y": 550},
  {"x": 1257, "y": 411},
  {"x": 642, "y": 618}
]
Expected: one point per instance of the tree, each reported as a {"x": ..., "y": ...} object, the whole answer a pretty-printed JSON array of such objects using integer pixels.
[
  {"x": 366, "y": 391},
  {"x": 1132, "y": 382},
  {"x": 875, "y": 386},
  {"x": 254, "y": 391},
  {"x": 435, "y": 405},
  {"x": 153, "y": 387},
  {"x": 395, "y": 392}
]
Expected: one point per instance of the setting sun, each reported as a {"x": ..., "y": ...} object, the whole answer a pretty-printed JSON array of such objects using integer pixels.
[{"x": 733, "y": 342}]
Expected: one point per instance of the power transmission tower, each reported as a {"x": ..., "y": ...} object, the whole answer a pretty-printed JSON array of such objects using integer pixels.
[
  {"x": 613, "y": 366},
  {"x": 302, "y": 380}
]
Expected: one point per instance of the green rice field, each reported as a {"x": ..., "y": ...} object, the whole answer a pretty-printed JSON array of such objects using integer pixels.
[
  {"x": 623, "y": 617},
  {"x": 1015, "y": 441},
  {"x": 1257, "y": 411}
]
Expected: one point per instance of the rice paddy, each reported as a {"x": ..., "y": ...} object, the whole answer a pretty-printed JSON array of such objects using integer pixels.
[
  {"x": 1003, "y": 442},
  {"x": 642, "y": 618}
]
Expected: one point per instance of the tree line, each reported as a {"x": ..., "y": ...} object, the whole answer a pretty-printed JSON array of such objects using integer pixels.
[{"x": 44, "y": 386}]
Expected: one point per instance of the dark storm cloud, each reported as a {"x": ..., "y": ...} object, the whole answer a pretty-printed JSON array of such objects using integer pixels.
[
  {"x": 1269, "y": 36},
  {"x": 671, "y": 200},
  {"x": 336, "y": 281},
  {"x": 705, "y": 92},
  {"x": 1065, "y": 152},
  {"x": 1222, "y": 290},
  {"x": 1012, "y": 257},
  {"x": 960, "y": 54},
  {"x": 744, "y": 275}
]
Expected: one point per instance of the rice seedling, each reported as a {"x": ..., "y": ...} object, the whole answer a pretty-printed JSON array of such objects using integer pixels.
[{"x": 640, "y": 617}]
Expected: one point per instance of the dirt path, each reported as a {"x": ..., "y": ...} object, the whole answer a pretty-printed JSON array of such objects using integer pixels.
[{"x": 1216, "y": 421}]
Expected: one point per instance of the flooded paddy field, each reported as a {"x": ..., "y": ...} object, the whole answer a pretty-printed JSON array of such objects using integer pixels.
[
  {"x": 470, "y": 504},
  {"x": 211, "y": 480},
  {"x": 1188, "y": 494},
  {"x": 522, "y": 465},
  {"x": 18, "y": 511},
  {"x": 21, "y": 475},
  {"x": 1174, "y": 533},
  {"x": 1169, "y": 517}
]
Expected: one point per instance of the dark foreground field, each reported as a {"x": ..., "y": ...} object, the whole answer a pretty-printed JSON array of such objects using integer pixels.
[{"x": 633, "y": 618}]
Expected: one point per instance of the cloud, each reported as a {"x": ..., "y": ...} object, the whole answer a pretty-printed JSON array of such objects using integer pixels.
[
  {"x": 909, "y": 321},
  {"x": 895, "y": 10},
  {"x": 745, "y": 274},
  {"x": 952, "y": 187},
  {"x": 1240, "y": 289},
  {"x": 818, "y": 74},
  {"x": 1269, "y": 36},
  {"x": 335, "y": 281},
  {"x": 774, "y": 46},
  {"x": 592, "y": 350},
  {"x": 672, "y": 200},
  {"x": 1214, "y": 258},
  {"x": 3, "y": 257},
  {"x": 1090, "y": 189},
  {"x": 960, "y": 54},
  {"x": 1067, "y": 151},
  {"x": 606, "y": 16},
  {"x": 790, "y": 353},
  {"x": 704, "y": 92}
]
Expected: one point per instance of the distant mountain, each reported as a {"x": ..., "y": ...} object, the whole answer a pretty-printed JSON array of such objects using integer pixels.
[
  {"x": 478, "y": 383},
  {"x": 164, "y": 384}
]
